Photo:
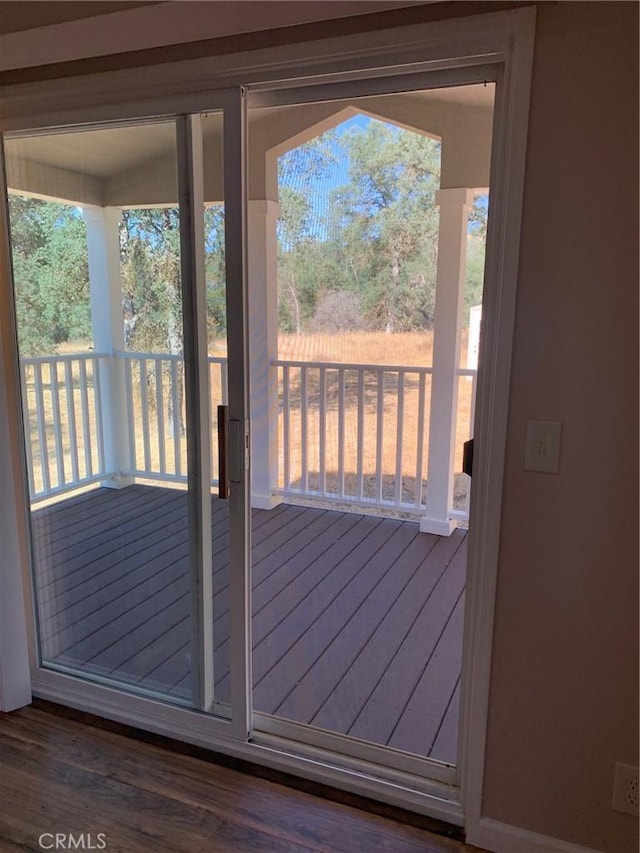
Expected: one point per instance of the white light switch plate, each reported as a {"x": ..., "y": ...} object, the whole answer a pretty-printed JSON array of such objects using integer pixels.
[{"x": 542, "y": 446}]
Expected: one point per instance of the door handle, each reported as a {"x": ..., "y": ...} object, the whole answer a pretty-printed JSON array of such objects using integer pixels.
[
  {"x": 223, "y": 452},
  {"x": 467, "y": 457},
  {"x": 237, "y": 451}
]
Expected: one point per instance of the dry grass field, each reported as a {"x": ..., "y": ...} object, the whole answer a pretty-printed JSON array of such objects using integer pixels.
[{"x": 413, "y": 349}]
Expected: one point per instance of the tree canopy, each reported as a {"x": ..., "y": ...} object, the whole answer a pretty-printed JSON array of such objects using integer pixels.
[
  {"x": 49, "y": 248},
  {"x": 357, "y": 249},
  {"x": 371, "y": 237}
]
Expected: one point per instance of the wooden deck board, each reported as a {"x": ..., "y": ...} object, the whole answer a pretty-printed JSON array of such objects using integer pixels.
[
  {"x": 446, "y": 742},
  {"x": 378, "y": 716},
  {"x": 310, "y": 640},
  {"x": 357, "y": 619},
  {"x": 346, "y": 642},
  {"x": 90, "y": 517},
  {"x": 354, "y": 688},
  {"x": 430, "y": 698}
]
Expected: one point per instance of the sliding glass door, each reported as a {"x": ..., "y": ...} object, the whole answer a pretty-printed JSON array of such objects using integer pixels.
[
  {"x": 129, "y": 299},
  {"x": 370, "y": 211}
]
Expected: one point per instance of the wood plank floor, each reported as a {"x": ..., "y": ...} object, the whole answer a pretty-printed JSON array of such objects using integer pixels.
[
  {"x": 357, "y": 620},
  {"x": 61, "y": 775}
]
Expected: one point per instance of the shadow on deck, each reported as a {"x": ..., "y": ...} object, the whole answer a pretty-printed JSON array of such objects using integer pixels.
[{"x": 357, "y": 620}]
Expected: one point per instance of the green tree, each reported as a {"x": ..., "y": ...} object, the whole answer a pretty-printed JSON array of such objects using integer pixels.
[
  {"x": 150, "y": 263},
  {"x": 151, "y": 277},
  {"x": 215, "y": 272},
  {"x": 300, "y": 230},
  {"x": 293, "y": 233},
  {"x": 474, "y": 281},
  {"x": 49, "y": 247},
  {"x": 374, "y": 237},
  {"x": 388, "y": 225}
]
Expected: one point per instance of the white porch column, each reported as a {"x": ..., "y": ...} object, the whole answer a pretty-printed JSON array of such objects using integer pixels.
[
  {"x": 452, "y": 248},
  {"x": 263, "y": 349},
  {"x": 108, "y": 336}
]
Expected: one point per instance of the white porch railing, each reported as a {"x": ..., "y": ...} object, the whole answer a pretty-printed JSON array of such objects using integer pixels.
[
  {"x": 358, "y": 433},
  {"x": 154, "y": 392},
  {"x": 348, "y": 433},
  {"x": 62, "y": 422}
]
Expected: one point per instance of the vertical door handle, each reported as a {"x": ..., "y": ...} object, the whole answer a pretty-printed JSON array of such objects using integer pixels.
[
  {"x": 467, "y": 457},
  {"x": 223, "y": 452}
]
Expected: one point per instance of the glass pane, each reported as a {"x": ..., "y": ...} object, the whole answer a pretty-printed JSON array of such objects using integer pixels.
[
  {"x": 358, "y": 600},
  {"x": 95, "y": 230},
  {"x": 215, "y": 271}
]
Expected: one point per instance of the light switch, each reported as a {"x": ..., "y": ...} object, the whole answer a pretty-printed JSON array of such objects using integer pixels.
[{"x": 542, "y": 446}]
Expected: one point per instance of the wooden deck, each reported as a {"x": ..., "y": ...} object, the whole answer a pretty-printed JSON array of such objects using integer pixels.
[{"x": 357, "y": 622}]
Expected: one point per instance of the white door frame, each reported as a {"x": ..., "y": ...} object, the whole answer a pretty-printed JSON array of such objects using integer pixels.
[
  {"x": 504, "y": 37},
  {"x": 15, "y": 682}
]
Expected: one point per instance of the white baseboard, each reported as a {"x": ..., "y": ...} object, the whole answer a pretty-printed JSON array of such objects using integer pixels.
[
  {"x": 438, "y": 526},
  {"x": 117, "y": 481},
  {"x": 503, "y": 838},
  {"x": 269, "y": 501}
]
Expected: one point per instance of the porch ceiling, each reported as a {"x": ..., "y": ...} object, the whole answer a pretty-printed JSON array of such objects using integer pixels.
[{"x": 135, "y": 166}]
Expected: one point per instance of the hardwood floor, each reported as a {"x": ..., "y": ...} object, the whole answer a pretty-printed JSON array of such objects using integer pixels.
[
  {"x": 58, "y": 775},
  {"x": 357, "y": 620}
]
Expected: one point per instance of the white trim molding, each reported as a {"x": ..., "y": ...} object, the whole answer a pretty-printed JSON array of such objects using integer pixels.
[
  {"x": 129, "y": 29},
  {"x": 15, "y": 684},
  {"x": 511, "y": 122},
  {"x": 450, "y": 46},
  {"x": 504, "y": 838}
]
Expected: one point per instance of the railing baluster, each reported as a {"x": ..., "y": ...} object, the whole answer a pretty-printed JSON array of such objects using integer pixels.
[
  {"x": 86, "y": 427},
  {"x": 27, "y": 429},
  {"x": 224, "y": 381},
  {"x": 177, "y": 449},
  {"x": 286, "y": 429},
  {"x": 97, "y": 398},
  {"x": 472, "y": 413},
  {"x": 71, "y": 420},
  {"x": 381, "y": 493},
  {"x": 379, "y": 433},
  {"x": 341, "y": 436},
  {"x": 420, "y": 442},
  {"x": 131, "y": 428},
  {"x": 160, "y": 417},
  {"x": 399, "y": 434},
  {"x": 42, "y": 433},
  {"x": 57, "y": 425},
  {"x": 144, "y": 404},
  {"x": 304, "y": 460},
  {"x": 322, "y": 430},
  {"x": 360, "y": 463}
]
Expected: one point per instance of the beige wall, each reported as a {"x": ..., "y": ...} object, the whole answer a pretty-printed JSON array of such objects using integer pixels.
[{"x": 564, "y": 693}]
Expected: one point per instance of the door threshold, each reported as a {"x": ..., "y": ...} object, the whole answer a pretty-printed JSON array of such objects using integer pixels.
[{"x": 261, "y": 771}]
